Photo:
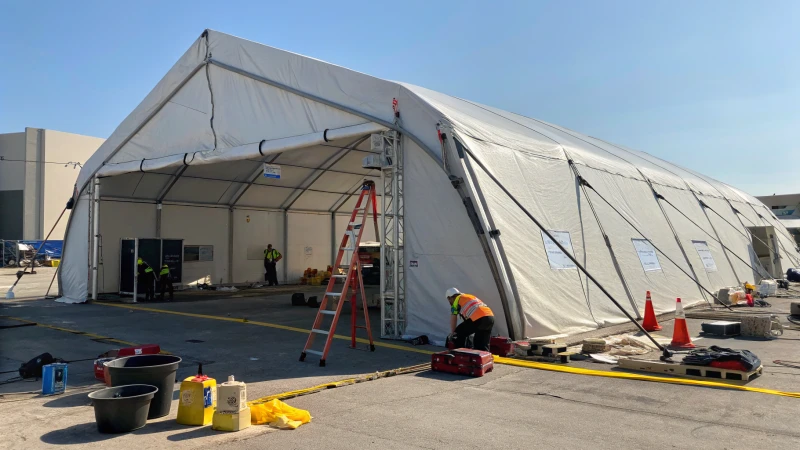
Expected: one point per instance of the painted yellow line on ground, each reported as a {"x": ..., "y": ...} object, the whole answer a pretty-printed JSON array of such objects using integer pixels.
[
  {"x": 633, "y": 376},
  {"x": 77, "y": 332},
  {"x": 260, "y": 324}
]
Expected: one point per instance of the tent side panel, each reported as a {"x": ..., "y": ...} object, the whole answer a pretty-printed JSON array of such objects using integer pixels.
[
  {"x": 634, "y": 200},
  {"x": 309, "y": 244},
  {"x": 440, "y": 239},
  {"x": 199, "y": 226},
  {"x": 122, "y": 220},
  {"x": 250, "y": 239},
  {"x": 74, "y": 278}
]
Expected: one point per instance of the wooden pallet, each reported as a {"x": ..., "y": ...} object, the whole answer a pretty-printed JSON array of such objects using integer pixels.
[{"x": 677, "y": 369}]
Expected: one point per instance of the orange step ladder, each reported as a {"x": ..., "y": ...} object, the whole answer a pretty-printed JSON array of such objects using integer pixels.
[{"x": 353, "y": 280}]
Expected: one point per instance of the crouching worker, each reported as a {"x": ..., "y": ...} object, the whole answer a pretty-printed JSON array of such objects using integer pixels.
[{"x": 478, "y": 319}]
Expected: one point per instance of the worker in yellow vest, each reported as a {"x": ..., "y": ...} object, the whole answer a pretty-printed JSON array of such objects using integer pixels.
[
  {"x": 165, "y": 282},
  {"x": 478, "y": 319},
  {"x": 271, "y": 258},
  {"x": 146, "y": 279}
]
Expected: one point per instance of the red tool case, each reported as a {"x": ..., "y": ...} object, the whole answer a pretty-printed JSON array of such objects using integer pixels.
[
  {"x": 501, "y": 346},
  {"x": 463, "y": 361}
]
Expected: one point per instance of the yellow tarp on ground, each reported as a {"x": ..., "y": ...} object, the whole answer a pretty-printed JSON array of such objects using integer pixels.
[{"x": 278, "y": 414}]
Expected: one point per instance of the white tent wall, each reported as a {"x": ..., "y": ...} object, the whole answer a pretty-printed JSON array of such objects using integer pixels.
[
  {"x": 441, "y": 239},
  {"x": 118, "y": 220},
  {"x": 250, "y": 239},
  {"x": 554, "y": 301},
  {"x": 309, "y": 243},
  {"x": 73, "y": 281},
  {"x": 199, "y": 226},
  {"x": 634, "y": 199},
  {"x": 686, "y": 203},
  {"x": 732, "y": 234}
]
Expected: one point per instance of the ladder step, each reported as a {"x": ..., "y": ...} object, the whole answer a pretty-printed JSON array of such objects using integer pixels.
[
  {"x": 327, "y": 312},
  {"x": 314, "y": 352},
  {"x": 338, "y": 276},
  {"x": 333, "y": 294},
  {"x": 315, "y": 330},
  {"x": 355, "y": 224}
]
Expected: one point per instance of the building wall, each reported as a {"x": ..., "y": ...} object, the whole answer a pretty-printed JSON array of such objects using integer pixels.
[
  {"x": 43, "y": 188},
  {"x": 12, "y": 183},
  {"x": 199, "y": 226},
  {"x": 250, "y": 238},
  {"x": 59, "y": 180},
  {"x": 120, "y": 220}
]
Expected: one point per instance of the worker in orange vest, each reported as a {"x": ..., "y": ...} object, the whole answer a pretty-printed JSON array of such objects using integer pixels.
[{"x": 478, "y": 319}]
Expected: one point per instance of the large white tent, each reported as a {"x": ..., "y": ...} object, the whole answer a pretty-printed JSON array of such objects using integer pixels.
[{"x": 187, "y": 163}]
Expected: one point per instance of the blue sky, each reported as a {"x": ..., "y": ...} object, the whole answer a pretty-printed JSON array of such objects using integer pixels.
[{"x": 709, "y": 85}]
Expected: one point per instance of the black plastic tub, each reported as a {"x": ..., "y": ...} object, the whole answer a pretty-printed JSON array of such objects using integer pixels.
[
  {"x": 123, "y": 408},
  {"x": 155, "y": 370}
]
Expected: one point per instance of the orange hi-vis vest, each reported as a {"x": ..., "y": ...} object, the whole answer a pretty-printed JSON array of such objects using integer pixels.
[{"x": 470, "y": 307}]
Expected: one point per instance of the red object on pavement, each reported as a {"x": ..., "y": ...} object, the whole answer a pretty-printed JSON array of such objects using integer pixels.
[
  {"x": 730, "y": 365},
  {"x": 100, "y": 370},
  {"x": 144, "y": 349},
  {"x": 463, "y": 361},
  {"x": 750, "y": 301},
  {"x": 501, "y": 346}
]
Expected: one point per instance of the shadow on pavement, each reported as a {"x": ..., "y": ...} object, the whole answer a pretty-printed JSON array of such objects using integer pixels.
[
  {"x": 70, "y": 401},
  {"x": 85, "y": 433}
]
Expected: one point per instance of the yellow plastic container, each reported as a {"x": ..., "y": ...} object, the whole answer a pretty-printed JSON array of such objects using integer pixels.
[
  {"x": 231, "y": 421},
  {"x": 55, "y": 262},
  {"x": 198, "y": 401},
  {"x": 316, "y": 281}
]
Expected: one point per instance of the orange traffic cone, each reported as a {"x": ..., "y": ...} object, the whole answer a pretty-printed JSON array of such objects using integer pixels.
[
  {"x": 650, "y": 323},
  {"x": 680, "y": 336}
]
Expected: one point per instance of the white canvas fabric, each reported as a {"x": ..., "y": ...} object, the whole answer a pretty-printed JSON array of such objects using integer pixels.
[{"x": 199, "y": 140}]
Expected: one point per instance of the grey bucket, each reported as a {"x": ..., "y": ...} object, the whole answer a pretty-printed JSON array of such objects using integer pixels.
[
  {"x": 123, "y": 408},
  {"x": 155, "y": 370}
]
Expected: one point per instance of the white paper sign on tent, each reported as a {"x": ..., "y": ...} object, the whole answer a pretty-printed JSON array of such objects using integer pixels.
[
  {"x": 272, "y": 171},
  {"x": 558, "y": 260},
  {"x": 647, "y": 255},
  {"x": 705, "y": 255}
]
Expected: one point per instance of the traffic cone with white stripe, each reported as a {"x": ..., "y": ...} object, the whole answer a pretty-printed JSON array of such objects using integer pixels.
[
  {"x": 650, "y": 323},
  {"x": 680, "y": 335}
]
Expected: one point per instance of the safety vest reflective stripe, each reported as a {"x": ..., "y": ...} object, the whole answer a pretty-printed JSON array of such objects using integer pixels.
[
  {"x": 468, "y": 308},
  {"x": 148, "y": 270}
]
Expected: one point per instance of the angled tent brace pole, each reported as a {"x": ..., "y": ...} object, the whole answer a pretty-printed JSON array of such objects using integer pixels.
[{"x": 665, "y": 353}]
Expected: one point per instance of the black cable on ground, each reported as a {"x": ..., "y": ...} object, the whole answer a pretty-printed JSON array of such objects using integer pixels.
[
  {"x": 666, "y": 354},
  {"x": 583, "y": 180}
]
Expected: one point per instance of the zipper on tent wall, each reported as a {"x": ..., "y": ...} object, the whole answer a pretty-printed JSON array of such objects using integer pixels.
[{"x": 471, "y": 195}]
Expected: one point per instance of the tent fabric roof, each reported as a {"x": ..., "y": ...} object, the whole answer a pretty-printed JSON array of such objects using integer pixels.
[{"x": 235, "y": 84}]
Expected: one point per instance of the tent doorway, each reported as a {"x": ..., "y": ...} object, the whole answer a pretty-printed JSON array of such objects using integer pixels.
[{"x": 766, "y": 250}]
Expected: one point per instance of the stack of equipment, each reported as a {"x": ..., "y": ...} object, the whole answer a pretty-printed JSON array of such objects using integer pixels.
[
  {"x": 197, "y": 399},
  {"x": 54, "y": 379},
  {"x": 501, "y": 346},
  {"x": 463, "y": 361},
  {"x": 232, "y": 412}
]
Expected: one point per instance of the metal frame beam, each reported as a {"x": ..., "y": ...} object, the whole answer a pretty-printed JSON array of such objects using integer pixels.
[{"x": 236, "y": 197}]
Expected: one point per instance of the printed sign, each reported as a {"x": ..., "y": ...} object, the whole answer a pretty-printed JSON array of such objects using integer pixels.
[
  {"x": 705, "y": 255},
  {"x": 272, "y": 171},
  {"x": 647, "y": 255},
  {"x": 206, "y": 253},
  {"x": 309, "y": 251},
  {"x": 413, "y": 263},
  {"x": 558, "y": 260}
]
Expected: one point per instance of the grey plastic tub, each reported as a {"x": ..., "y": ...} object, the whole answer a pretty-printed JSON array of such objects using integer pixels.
[
  {"x": 155, "y": 370},
  {"x": 123, "y": 408}
]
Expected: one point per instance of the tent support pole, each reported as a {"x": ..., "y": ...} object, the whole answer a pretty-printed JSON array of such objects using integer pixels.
[
  {"x": 95, "y": 234},
  {"x": 230, "y": 245},
  {"x": 159, "y": 208},
  {"x": 285, "y": 246},
  {"x": 490, "y": 239},
  {"x": 333, "y": 240}
]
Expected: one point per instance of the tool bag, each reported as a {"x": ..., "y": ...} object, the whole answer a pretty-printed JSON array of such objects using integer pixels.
[
  {"x": 33, "y": 368},
  {"x": 721, "y": 357},
  {"x": 298, "y": 299}
]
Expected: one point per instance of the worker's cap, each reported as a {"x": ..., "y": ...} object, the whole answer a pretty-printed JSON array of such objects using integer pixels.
[
  {"x": 749, "y": 286},
  {"x": 139, "y": 261},
  {"x": 451, "y": 292},
  {"x": 165, "y": 266}
]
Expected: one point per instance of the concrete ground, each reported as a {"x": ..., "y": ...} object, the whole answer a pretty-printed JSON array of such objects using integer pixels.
[{"x": 512, "y": 407}]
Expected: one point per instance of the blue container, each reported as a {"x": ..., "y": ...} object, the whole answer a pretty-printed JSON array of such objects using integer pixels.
[{"x": 54, "y": 379}]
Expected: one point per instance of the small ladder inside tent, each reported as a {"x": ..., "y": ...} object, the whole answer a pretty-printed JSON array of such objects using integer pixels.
[{"x": 352, "y": 280}]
